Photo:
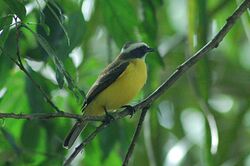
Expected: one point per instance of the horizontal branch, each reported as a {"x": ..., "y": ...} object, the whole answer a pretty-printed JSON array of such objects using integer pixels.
[
  {"x": 39, "y": 116},
  {"x": 47, "y": 116}
]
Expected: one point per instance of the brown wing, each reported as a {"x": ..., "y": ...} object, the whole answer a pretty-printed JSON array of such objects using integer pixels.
[{"x": 106, "y": 78}]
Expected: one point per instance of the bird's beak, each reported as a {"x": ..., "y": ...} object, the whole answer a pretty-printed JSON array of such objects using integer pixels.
[{"x": 151, "y": 50}]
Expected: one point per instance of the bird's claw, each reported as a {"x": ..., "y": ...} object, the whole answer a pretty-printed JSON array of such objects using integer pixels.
[{"x": 131, "y": 110}]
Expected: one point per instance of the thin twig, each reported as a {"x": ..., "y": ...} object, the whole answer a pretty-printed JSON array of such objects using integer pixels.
[
  {"x": 17, "y": 41},
  {"x": 21, "y": 67},
  {"x": 135, "y": 137},
  {"x": 179, "y": 71}
]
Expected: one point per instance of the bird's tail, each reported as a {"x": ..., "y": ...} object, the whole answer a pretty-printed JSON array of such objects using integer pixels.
[{"x": 74, "y": 133}]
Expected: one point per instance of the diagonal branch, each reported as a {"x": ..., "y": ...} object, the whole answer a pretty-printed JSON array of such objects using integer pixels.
[
  {"x": 21, "y": 67},
  {"x": 135, "y": 137},
  {"x": 214, "y": 43}
]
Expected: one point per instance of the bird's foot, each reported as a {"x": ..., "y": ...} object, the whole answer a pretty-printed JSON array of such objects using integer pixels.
[{"x": 131, "y": 110}]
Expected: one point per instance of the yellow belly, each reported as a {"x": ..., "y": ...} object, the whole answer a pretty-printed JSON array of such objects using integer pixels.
[{"x": 123, "y": 90}]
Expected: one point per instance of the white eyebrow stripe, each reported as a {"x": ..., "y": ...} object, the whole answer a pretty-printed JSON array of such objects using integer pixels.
[{"x": 133, "y": 47}]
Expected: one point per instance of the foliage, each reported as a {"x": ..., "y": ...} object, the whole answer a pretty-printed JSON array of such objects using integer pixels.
[{"x": 202, "y": 120}]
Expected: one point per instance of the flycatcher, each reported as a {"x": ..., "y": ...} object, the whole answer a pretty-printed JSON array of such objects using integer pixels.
[{"x": 115, "y": 87}]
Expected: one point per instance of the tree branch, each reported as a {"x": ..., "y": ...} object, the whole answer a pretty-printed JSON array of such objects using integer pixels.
[
  {"x": 214, "y": 43},
  {"x": 48, "y": 116},
  {"x": 21, "y": 67},
  {"x": 135, "y": 137},
  {"x": 40, "y": 116}
]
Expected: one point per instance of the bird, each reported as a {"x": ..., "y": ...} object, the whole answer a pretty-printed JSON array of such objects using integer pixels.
[{"x": 115, "y": 87}]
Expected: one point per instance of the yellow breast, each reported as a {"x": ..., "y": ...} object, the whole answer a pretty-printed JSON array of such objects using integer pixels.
[{"x": 123, "y": 90}]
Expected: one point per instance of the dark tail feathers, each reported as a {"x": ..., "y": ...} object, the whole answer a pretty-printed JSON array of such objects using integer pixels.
[{"x": 74, "y": 133}]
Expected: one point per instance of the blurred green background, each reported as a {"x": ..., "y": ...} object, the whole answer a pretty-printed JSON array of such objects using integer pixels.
[{"x": 204, "y": 119}]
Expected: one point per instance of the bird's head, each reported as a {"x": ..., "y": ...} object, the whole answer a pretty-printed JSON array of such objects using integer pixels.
[{"x": 132, "y": 50}]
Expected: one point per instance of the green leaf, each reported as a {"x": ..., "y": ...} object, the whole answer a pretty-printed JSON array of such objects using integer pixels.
[
  {"x": 17, "y": 8},
  {"x": 120, "y": 20},
  {"x": 44, "y": 26},
  {"x": 76, "y": 33},
  {"x": 58, "y": 19},
  {"x": 5, "y": 67},
  {"x": 36, "y": 54},
  {"x": 49, "y": 50},
  {"x": 3, "y": 36},
  {"x": 59, "y": 78},
  {"x": 5, "y": 27},
  {"x": 45, "y": 45},
  {"x": 58, "y": 64},
  {"x": 7, "y": 42},
  {"x": 5, "y": 21},
  {"x": 60, "y": 46}
]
